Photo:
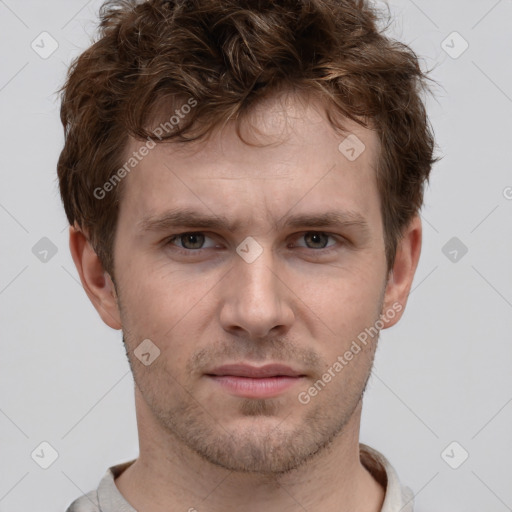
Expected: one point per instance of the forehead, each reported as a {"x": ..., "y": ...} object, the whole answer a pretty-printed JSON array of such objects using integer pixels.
[{"x": 290, "y": 154}]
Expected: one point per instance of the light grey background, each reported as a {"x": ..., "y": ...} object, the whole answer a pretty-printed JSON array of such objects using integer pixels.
[{"x": 442, "y": 375}]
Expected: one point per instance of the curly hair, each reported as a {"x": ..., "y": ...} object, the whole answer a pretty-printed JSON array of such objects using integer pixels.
[{"x": 224, "y": 56}]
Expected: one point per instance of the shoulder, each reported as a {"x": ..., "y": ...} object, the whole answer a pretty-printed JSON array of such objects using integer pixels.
[
  {"x": 86, "y": 503},
  {"x": 106, "y": 498}
]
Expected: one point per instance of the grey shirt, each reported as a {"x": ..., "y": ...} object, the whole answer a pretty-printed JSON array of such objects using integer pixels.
[{"x": 107, "y": 498}]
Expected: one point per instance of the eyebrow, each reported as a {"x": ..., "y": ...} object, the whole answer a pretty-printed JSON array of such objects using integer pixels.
[{"x": 187, "y": 218}]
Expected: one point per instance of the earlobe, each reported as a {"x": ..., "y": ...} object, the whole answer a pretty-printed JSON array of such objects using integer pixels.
[
  {"x": 95, "y": 280},
  {"x": 402, "y": 274}
]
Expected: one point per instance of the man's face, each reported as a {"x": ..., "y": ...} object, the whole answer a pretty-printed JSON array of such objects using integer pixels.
[{"x": 311, "y": 290}]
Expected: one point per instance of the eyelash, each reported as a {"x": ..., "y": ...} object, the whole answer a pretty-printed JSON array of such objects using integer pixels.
[{"x": 190, "y": 252}]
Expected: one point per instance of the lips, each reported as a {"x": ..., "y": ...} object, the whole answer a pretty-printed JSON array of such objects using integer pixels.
[
  {"x": 248, "y": 381},
  {"x": 253, "y": 372}
]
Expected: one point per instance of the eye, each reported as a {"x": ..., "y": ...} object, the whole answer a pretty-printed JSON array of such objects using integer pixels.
[
  {"x": 316, "y": 240},
  {"x": 190, "y": 241}
]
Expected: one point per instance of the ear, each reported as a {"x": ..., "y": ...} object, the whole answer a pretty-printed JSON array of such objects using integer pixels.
[
  {"x": 402, "y": 274},
  {"x": 96, "y": 281}
]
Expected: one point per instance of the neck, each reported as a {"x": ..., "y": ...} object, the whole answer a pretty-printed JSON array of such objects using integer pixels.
[{"x": 169, "y": 476}]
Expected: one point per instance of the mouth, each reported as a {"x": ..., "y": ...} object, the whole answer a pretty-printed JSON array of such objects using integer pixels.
[{"x": 255, "y": 382}]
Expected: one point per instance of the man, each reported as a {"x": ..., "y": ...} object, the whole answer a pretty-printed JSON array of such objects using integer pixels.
[{"x": 243, "y": 182}]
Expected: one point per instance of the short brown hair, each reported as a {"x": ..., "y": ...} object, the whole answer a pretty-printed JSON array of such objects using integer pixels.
[{"x": 225, "y": 55}]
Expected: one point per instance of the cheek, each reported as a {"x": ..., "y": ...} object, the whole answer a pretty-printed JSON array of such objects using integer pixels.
[
  {"x": 160, "y": 303},
  {"x": 343, "y": 305}
]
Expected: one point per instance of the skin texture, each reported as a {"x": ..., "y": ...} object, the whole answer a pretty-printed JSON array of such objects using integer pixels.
[{"x": 302, "y": 302}]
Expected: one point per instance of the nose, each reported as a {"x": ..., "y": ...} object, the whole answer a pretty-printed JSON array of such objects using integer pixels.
[{"x": 256, "y": 302}]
